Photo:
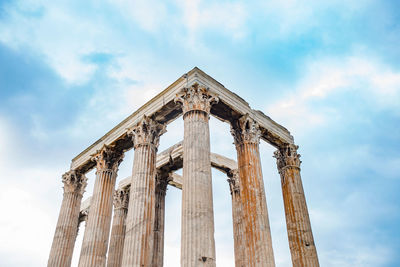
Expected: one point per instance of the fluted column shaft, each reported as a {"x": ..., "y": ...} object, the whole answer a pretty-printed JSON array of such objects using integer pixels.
[
  {"x": 237, "y": 218},
  {"x": 121, "y": 198},
  {"x": 67, "y": 224},
  {"x": 256, "y": 229},
  {"x": 161, "y": 187},
  {"x": 301, "y": 240},
  {"x": 139, "y": 240},
  {"x": 197, "y": 239},
  {"x": 97, "y": 231}
]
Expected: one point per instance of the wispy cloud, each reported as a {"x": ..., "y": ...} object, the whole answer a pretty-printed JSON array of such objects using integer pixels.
[{"x": 372, "y": 81}]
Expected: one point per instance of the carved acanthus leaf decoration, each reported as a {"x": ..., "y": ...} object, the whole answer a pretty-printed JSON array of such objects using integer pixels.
[
  {"x": 196, "y": 98},
  {"x": 245, "y": 130},
  {"x": 108, "y": 158},
  {"x": 83, "y": 215},
  {"x": 147, "y": 132},
  {"x": 74, "y": 182},
  {"x": 233, "y": 180},
  {"x": 121, "y": 198},
  {"x": 162, "y": 180},
  {"x": 287, "y": 156}
]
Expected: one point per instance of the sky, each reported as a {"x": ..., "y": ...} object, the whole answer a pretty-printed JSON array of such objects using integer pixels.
[{"x": 329, "y": 71}]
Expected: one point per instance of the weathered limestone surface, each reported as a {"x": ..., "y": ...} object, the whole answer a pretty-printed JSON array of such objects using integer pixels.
[
  {"x": 139, "y": 239},
  {"x": 161, "y": 188},
  {"x": 140, "y": 236},
  {"x": 197, "y": 240},
  {"x": 95, "y": 239},
  {"x": 301, "y": 240},
  {"x": 256, "y": 230},
  {"x": 67, "y": 224},
  {"x": 121, "y": 200},
  {"x": 237, "y": 218}
]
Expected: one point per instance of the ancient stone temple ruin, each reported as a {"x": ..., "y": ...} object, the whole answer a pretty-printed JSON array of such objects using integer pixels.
[{"x": 137, "y": 226}]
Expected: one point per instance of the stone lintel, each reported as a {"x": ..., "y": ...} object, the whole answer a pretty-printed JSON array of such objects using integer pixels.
[{"x": 163, "y": 109}]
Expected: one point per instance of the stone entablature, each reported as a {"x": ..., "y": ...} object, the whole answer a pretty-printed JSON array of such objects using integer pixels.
[{"x": 164, "y": 110}]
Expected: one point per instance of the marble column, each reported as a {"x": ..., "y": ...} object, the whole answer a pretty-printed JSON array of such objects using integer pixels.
[
  {"x": 161, "y": 188},
  {"x": 67, "y": 224},
  {"x": 139, "y": 238},
  {"x": 237, "y": 218},
  {"x": 97, "y": 231},
  {"x": 301, "y": 240},
  {"x": 197, "y": 239},
  {"x": 121, "y": 200},
  {"x": 256, "y": 229}
]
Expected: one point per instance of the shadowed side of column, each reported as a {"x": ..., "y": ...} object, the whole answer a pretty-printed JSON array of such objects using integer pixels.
[
  {"x": 197, "y": 245},
  {"x": 95, "y": 239},
  {"x": 139, "y": 239},
  {"x": 256, "y": 229},
  {"x": 67, "y": 224},
  {"x": 237, "y": 218},
  {"x": 161, "y": 188},
  {"x": 301, "y": 240},
  {"x": 121, "y": 199}
]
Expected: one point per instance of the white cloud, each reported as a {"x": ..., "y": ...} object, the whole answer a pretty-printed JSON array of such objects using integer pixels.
[
  {"x": 19, "y": 206},
  {"x": 63, "y": 36},
  {"x": 338, "y": 237},
  {"x": 296, "y": 16},
  {"x": 369, "y": 78},
  {"x": 149, "y": 14},
  {"x": 229, "y": 18},
  {"x": 23, "y": 198},
  {"x": 56, "y": 34}
]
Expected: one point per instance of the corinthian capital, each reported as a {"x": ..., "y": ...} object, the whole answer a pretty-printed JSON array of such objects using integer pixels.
[
  {"x": 108, "y": 157},
  {"x": 233, "y": 180},
  {"x": 147, "y": 132},
  {"x": 74, "y": 182},
  {"x": 245, "y": 130},
  {"x": 162, "y": 180},
  {"x": 196, "y": 98},
  {"x": 121, "y": 198},
  {"x": 287, "y": 156}
]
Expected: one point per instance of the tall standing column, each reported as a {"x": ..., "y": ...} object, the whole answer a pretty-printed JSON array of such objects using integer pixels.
[
  {"x": 197, "y": 240},
  {"x": 161, "y": 188},
  {"x": 301, "y": 240},
  {"x": 67, "y": 224},
  {"x": 121, "y": 200},
  {"x": 139, "y": 239},
  {"x": 97, "y": 231},
  {"x": 256, "y": 229},
  {"x": 237, "y": 218}
]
